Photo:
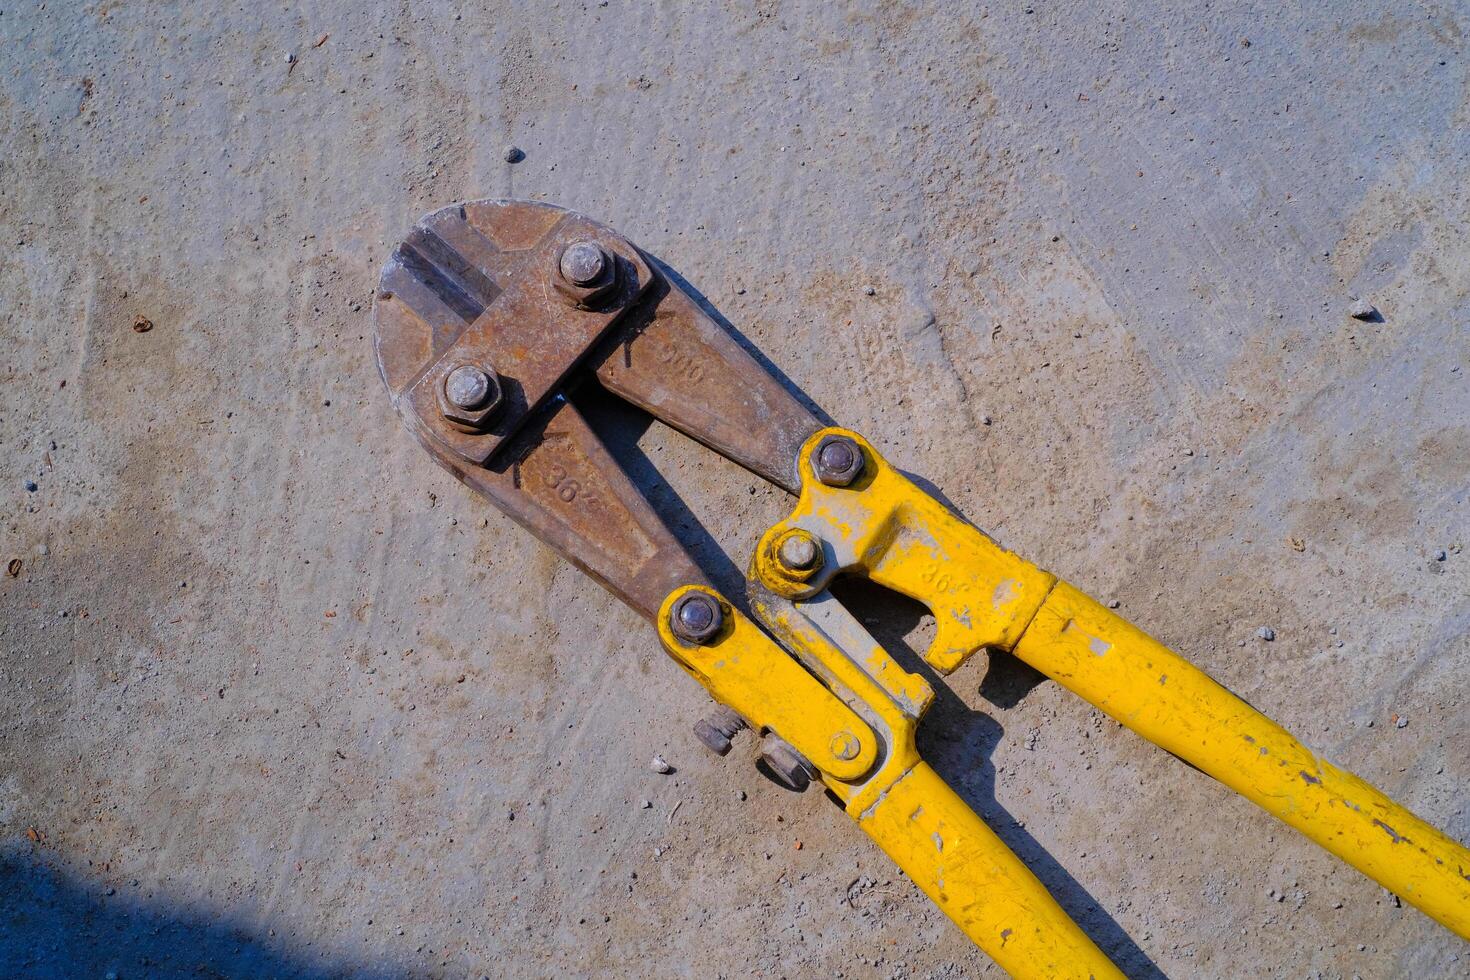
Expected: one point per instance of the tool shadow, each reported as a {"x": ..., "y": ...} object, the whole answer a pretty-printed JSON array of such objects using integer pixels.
[{"x": 959, "y": 741}]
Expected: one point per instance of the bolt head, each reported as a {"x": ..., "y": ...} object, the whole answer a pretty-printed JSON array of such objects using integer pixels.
[
  {"x": 584, "y": 263},
  {"x": 696, "y": 618},
  {"x": 837, "y": 461},
  {"x": 467, "y": 387},
  {"x": 845, "y": 746},
  {"x": 800, "y": 552}
]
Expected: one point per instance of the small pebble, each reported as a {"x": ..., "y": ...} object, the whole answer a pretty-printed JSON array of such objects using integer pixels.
[
  {"x": 1441, "y": 555},
  {"x": 1362, "y": 310},
  {"x": 31, "y": 486},
  {"x": 645, "y": 805},
  {"x": 1401, "y": 723},
  {"x": 513, "y": 154},
  {"x": 290, "y": 57},
  {"x": 1113, "y": 603},
  {"x": 660, "y": 766},
  {"x": 1266, "y": 633},
  {"x": 869, "y": 291}
]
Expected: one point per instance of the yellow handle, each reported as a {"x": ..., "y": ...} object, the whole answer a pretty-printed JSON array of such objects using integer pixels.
[
  {"x": 969, "y": 872},
  {"x": 1166, "y": 699}
]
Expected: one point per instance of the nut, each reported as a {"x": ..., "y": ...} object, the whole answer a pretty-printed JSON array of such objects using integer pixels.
[
  {"x": 696, "y": 618},
  {"x": 837, "y": 461},
  {"x": 470, "y": 396},
  {"x": 585, "y": 272}
]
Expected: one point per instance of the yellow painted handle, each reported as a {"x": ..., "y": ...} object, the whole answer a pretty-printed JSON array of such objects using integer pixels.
[
  {"x": 1166, "y": 699},
  {"x": 969, "y": 872}
]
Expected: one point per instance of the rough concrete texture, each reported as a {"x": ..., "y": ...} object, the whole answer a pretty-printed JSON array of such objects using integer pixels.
[{"x": 282, "y": 698}]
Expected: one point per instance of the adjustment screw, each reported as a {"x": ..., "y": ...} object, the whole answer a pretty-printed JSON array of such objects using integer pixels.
[
  {"x": 845, "y": 746},
  {"x": 583, "y": 263},
  {"x": 837, "y": 461},
  {"x": 696, "y": 618},
  {"x": 714, "y": 739},
  {"x": 467, "y": 387},
  {"x": 788, "y": 765},
  {"x": 719, "y": 728}
]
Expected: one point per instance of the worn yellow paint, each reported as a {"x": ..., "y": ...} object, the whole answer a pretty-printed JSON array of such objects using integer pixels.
[
  {"x": 978, "y": 882},
  {"x": 886, "y": 528},
  {"x": 742, "y": 668},
  {"x": 920, "y": 822},
  {"x": 1172, "y": 703},
  {"x": 895, "y": 534}
]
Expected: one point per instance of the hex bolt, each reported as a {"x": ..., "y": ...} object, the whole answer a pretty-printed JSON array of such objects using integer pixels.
[
  {"x": 696, "y": 618},
  {"x": 717, "y": 731},
  {"x": 837, "y": 461},
  {"x": 467, "y": 387},
  {"x": 583, "y": 263},
  {"x": 799, "y": 552},
  {"x": 787, "y": 765},
  {"x": 845, "y": 745}
]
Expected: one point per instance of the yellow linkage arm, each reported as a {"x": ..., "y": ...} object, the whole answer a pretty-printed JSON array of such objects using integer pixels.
[
  {"x": 881, "y": 525},
  {"x": 960, "y": 863},
  {"x": 1166, "y": 699}
]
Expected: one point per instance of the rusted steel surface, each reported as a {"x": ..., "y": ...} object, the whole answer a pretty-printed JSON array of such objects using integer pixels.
[
  {"x": 685, "y": 369},
  {"x": 478, "y": 284},
  {"x": 523, "y": 302},
  {"x": 557, "y": 480}
]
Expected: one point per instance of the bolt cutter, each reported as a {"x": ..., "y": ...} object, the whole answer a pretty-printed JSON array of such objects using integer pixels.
[{"x": 492, "y": 317}]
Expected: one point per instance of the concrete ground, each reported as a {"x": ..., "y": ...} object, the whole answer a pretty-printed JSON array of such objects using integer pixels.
[{"x": 282, "y": 699}]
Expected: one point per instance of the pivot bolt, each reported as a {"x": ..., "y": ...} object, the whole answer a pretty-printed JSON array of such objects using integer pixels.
[
  {"x": 467, "y": 387},
  {"x": 583, "y": 263},
  {"x": 696, "y": 618},
  {"x": 845, "y": 746},
  {"x": 799, "y": 552},
  {"x": 837, "y": 461}
]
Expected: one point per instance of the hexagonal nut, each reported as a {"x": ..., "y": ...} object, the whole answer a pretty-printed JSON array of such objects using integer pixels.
[
  {"x": 838, "y": 461},
  {"x": 477, "y": 417},
  {"x": 588, "y": 294}
]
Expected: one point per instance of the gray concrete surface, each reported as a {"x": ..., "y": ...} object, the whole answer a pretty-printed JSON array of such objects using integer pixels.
[{"x": 280, "y": 698}]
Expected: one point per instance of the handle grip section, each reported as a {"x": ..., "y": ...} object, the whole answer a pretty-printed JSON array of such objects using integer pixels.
[
  {"x": 1138, "y": 681},
  {"x": 969, "y": 872}
]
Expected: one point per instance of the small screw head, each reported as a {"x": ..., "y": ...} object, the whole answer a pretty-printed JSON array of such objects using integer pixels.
[
  {"x": 696, "y": 618},
  {"x": 837, "y": 461},
  {"x": 467, "y": 387},
  {"x": 845, "y": 745},
  {"x": 583, "y": 263},
  {"x": 799, "y": 553}
]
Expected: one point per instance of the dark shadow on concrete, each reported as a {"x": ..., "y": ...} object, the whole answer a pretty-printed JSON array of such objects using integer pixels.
[
  {"x": 57, "y": 923},
  {"x": 959, "y": 741}
]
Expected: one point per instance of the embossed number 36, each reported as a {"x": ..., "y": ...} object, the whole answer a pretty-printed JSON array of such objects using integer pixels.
[{"x": 559, "y": 480}]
